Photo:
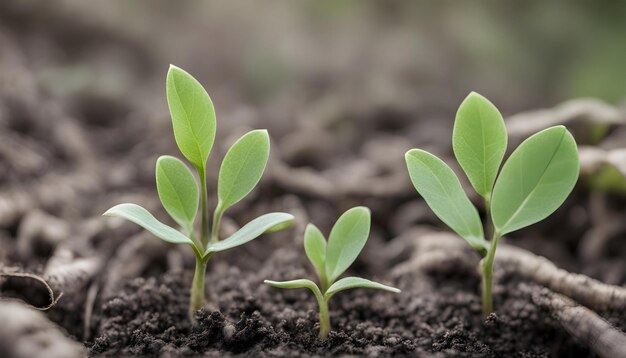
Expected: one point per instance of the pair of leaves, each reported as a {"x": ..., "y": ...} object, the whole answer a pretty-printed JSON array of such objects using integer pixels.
[
  {"x": 347, "y": 238},
  {"x": 345, "y": 283},
  {"x": 533, "y": 183},
  {"x": 248, "y": 232},
  {"x": 241, "y": 170},
  {"x": 194, "y": 123},
  {"x": 331, "y": 259}
]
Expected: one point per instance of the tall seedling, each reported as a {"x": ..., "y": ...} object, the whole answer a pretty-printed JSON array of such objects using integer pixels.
[
  {"x": 193, "y": 120},
  {"x": 535, "y": 180}
]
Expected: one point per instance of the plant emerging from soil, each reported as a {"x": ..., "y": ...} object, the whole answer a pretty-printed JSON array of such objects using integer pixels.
[
  {"x": 331, "y": 259},
  {"x": 535, "y": 180},
  {"x": 193, "y": 120}
]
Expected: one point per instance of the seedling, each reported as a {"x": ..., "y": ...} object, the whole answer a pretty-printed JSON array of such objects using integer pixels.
[
  {"x": 533, "y": 183},
  {"x": 330, "y": 260},
  {"x": 193, "y": 120}
]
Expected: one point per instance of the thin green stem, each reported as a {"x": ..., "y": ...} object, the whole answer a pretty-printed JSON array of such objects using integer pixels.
[
  {"x": 486, "y": 265},
  {"x": 490, "y": 228},
  {"x": 204, "y": 228},
  {"x": 217, "y": 219},
  {"x": 197, "y": 287},
  {"x": 323, "y": 282},
  {"x": 324, "y": 319}
]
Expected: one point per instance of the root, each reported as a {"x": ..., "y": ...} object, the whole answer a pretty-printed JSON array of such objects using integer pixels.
[
  {"x": 583, "y": 289},
  {"x": 583, "y": 324},
  {"x": 70, "y": 274},
  {"x": 23, "y": 286}
]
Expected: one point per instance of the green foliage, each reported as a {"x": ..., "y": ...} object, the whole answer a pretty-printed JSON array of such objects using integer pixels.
[
  {"x": 479, "y": 141},
  {"x": 347, "y": 238},
  {"x": 193, "y": 116},
  {"x": 251, "y": 231},
  {"x": 532, "y": 184},
  {"x": 535, "y": 180},
  {"x": 330, "y": 260},
  {"x": 242, "y": 167},
  {"x": 441, "y": 189},
  {"x": 193, "y": 119},
  {"x": 315, "y": 249},
  {"x": 177, "y": 190},
  {"x": 143, "y": 218}
]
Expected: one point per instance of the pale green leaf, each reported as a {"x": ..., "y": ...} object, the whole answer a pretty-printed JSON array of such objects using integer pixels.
[
  {"x": 177, "y": 190},
  {"x": 143, "y": 218},
  {"x": 315, "y": 248},
  {"x": 346, "y": 240},
  {"x": 356, "y": 282},
  {"x": 302, "y": 283},
  {"x": 250, "y": 231},
  {"x": 535, "y": 180},
  {"x": 193, "y": 116},
  {"x": 242, "y": 167},
  {"x": 438, "y": 185},
  {"x": 479, "y": 141}
]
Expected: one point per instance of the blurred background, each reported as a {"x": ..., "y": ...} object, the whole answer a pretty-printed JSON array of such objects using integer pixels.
[{"x": 345, "y": 88}]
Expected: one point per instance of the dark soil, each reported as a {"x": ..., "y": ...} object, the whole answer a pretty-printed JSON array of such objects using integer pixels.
[{"x": 433, "y": 316}]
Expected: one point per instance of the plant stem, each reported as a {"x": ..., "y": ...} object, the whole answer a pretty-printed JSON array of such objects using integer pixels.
[
  {"x": 486, "y": 265},
  {"x": 217, "y": 219},
  {"x": 197, "y": 287},
  {"x": 324, "y": 319},
  {"x": 488, "y": 215},
  {"x": 204, "y": 228}
]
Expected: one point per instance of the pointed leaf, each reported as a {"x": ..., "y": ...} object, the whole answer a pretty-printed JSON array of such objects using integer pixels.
[
  {"x": 193, "y": 116},
  {"x": 479, "y": 141},
  {"x": 302, "y": 283},
  {"x": 535, "y": 180},
  {"x": 357, "y": 282},
  {"x": 315, "y": 248},
  {"x": 346, "y": 240},
  {"x": 250, "y": 231},
  {"x": 242, "y": 167},
  {"x": 438, "y": 185},
  {"x": 177, "y": 190},
  {"x": 143, "y": 218}
]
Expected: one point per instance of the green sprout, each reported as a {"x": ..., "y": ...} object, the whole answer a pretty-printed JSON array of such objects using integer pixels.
[
  {"x": 330, "y": 260},
  {"x": 533, "y": 183},
  {"x": 193, "y": 120}
]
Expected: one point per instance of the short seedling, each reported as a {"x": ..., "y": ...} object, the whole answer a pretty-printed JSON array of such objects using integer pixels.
[
  {"x": 193, "y": 120},
  {"x": 533, "y": 183},
  {"x": 330, "y": 260}
]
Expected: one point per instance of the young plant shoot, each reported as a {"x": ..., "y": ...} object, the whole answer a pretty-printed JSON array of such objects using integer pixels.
[
  {"x": 331, "y": 259},
  {"x": 193, "y": 120},
  {"x": 535, "y": 180}
]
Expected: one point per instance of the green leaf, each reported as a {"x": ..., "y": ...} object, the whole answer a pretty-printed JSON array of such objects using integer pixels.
[
  {"x": 535, "y": 180},
  {"x": 479, "y": 141},
  {"x": 177, "y": 190},
  {"x": 302, "y": 283},
  {"x": 315, "y": 248},
  {"x": 438, "y": 185},
  {"x": 346, "y": 240},
  {"x": 143, "y": 218},
  {"x": 357, "y": 282},
  {"x": 193, "y": 116},
  {"x": 242, "y": 167},
  {"x": 250, "y": 231}
]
